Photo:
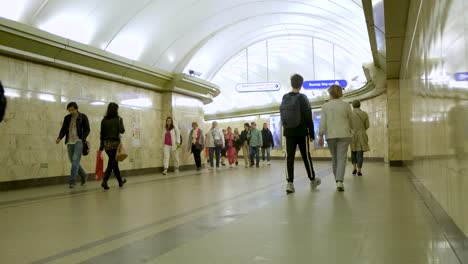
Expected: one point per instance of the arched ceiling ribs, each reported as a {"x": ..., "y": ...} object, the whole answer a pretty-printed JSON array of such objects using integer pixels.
[{"x": 223, "y": 62}]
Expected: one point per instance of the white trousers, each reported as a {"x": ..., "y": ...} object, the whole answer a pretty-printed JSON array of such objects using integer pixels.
[{"x": 167, "y": 155}]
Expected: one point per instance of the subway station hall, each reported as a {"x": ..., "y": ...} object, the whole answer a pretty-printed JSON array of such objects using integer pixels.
[{"x": 234, "y": 131}]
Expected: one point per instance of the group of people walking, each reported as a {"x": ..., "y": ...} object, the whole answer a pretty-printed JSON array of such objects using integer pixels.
[
  {"x": 340, "y": 125},
  {"x": 220, "y": 144},
  {"x": 76, "y": 128}
]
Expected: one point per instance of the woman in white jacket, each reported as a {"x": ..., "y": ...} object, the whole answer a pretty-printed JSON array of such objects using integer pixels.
[
  {"x": 171, "y": 141},
  {"x": 336, "y": 123}
]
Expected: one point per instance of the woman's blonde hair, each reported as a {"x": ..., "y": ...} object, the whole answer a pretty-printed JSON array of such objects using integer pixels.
[{"x": 335, "y": 91}]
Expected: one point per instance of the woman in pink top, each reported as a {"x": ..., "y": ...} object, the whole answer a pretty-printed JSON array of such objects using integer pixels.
[
  {"x": 171, "y": 144},
  {"x": 230, "y": 148}
]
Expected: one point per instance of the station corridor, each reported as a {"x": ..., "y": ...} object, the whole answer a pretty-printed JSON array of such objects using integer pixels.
[
  {"x": 151, "y": 89},
  {"x": 234, "y": 215}
]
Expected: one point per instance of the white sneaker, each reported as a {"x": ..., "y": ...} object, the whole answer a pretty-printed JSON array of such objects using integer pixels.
[
  {"x": 269, "y": 163},
  {"x": 165, "y": 172},
  {"x": 340, "y": 186},
  {"x": 315, "y": 182},
  {"x": 177, "y": 170},
  {"x": 230, "y": 166},
  {"x": 290, "y": 188}
]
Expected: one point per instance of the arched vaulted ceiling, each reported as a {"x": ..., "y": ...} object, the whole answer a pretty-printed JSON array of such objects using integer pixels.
[{"x": 202, "y": 35}]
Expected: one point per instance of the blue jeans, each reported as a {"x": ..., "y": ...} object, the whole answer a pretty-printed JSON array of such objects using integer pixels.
[
  {"x": 255, "y": 152},
  {"x": 267, "y": 152},
  {"x": 74, "y": 154},
  {"x": 357, "y": 157},
  {"x": 218, "y": 154}
]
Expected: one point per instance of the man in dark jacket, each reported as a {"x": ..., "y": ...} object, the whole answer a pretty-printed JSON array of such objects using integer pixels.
[
  {"x": 75, "y": 129},
  {"x": 245, "y": 144},
  {"x": 268, "y": 143},
  {"x": 299, "y": 135}
]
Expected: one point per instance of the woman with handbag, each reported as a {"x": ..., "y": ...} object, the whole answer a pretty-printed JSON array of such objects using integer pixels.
[
  {"x": 197, "y": 138},
  {"x": 216, "y": 143},
  {"x": 171, "y": 144},
  {"x": 111, "y": 128}
]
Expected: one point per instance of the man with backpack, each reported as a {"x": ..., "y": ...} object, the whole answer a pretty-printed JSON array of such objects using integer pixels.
[{"x": 296, "y": 117}]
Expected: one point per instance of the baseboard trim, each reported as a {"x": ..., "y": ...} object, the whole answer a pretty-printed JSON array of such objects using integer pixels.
[
  {"x": 457, "y": 239},
  {"x": 366, "y": 159},
  {"x": 396, "y": 163},
  {"x": 56, "y": 180}
]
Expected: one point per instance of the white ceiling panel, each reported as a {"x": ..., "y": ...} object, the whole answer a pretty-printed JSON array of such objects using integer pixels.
[{"x": 205, "y": 35}]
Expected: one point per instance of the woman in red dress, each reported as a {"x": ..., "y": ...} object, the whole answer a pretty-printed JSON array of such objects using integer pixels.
[{"x": 230, "y": 148}]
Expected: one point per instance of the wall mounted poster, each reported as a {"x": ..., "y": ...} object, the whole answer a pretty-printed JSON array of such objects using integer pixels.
[
  {"x": 316, "y": 115},
  {"x": 275, "y": 127}
]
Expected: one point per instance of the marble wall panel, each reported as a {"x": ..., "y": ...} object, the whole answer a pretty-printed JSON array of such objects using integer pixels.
[
  {"x": 37, "y": 98},
  {"x": 434, "y": 106}
]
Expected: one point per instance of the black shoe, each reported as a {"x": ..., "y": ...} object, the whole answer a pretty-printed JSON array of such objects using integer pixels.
[
  {"x": 121, "y": 184},
  {"x": 104, "y": 185},
  {"x": 83, "y": 181},
  {"x": 71, "y": 186},
  {"x": 359, "y": 174},
  {"x": 237, "y": 163},
  {"x": 354, "y": 172},
  {"x": 258, "y": 165}
]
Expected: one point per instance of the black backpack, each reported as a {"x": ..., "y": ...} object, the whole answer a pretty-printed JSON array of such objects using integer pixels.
[
  {"x": 290, "y": 110},
  {"x": 3, "y": 102}
]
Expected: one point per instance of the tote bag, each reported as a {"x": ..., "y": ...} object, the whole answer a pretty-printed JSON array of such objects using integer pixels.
[{"x": 121, "y": 154}]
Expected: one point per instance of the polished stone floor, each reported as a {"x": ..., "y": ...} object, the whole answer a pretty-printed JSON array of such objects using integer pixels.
[{"x": 234, "y": 215}]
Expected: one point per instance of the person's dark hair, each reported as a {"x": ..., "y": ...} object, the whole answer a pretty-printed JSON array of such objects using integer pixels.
[
  {"x": 72, "y": 104},
  {"x": 172, "y": 123},
  {"x": 356, "y": 104},
  {"x": 112, "y": 110},
  {"x": 246, "y": 125},
  {"x": 297, "y": 81}
]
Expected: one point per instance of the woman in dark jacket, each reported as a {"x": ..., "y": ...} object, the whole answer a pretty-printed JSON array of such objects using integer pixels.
[
  {"x": 111, "y": 128},
  {"x": 268, "y": 143}
]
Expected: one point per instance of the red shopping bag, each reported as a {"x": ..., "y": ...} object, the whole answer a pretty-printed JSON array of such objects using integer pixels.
[{"x": 99, "y": 166}]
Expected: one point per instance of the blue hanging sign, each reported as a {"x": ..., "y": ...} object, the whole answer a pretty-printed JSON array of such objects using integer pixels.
[
  {"x": 257, "y": 87},
  {"x": 323, "y": 84},
  {"x": 461, "y": 76}
]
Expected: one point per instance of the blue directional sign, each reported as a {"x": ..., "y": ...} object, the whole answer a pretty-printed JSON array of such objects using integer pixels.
[
  {"x": 323, "y": 84},
  {"x": 461, "y": 76},
  {"x": 257, "y": 87}
]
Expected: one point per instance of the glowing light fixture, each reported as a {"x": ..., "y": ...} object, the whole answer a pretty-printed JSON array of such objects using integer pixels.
[
  {"x": 97, "y": 103},
  {"x": 12, "y": 9},
  {"x": 129, "y": 46},
  {"x": 71, "y": 26},
  {"x": 11, "y": 93},
  {"x": 47, "y": 97},
  {"x": 138, "y": 102}
]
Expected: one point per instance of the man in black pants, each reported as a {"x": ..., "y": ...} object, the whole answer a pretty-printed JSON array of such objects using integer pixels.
[{"x": 296, "y": 117}]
